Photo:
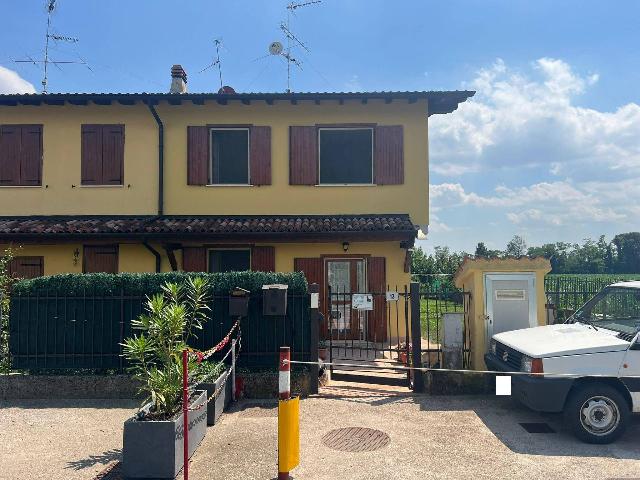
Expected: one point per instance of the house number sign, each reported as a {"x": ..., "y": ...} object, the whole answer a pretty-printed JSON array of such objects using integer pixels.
[
  {"x": 362, "y": 301},
  {"x": 392, "y": 296}
]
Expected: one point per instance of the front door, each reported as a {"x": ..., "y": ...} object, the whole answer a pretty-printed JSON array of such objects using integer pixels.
[
  {"x": 345, "y": 277},
  {"x": 510, "y": 302}
]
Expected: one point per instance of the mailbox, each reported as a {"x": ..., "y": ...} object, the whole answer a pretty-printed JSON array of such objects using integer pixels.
[
  {"x": 274, "y": 299},
  {"x": 238, "y": 302}
]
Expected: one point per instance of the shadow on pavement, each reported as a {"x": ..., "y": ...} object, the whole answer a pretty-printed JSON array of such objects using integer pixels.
[
  {"x": 103, "y": 459},
  {"x": 503, "y": 416},
  {"x": 42, "y": 403}
]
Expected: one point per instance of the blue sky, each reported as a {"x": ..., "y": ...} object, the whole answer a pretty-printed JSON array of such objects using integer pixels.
[{"x": 549, "y": 148}]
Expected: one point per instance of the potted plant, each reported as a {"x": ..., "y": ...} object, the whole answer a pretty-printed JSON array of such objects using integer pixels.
[
  {"x": 153, "y": 438},
  {"x": 215, "y": 378},
  {"x": 323, "y": 350}
]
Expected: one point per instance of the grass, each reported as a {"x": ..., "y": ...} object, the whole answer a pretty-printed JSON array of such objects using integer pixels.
[{"x": 431, "y": 311}]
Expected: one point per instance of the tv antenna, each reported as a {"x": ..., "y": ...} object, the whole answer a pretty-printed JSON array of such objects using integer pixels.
[
  {"x": 216, "y": 61},
  {"x": 286, "y": 29},
  {"x": 51, "y": 6}
]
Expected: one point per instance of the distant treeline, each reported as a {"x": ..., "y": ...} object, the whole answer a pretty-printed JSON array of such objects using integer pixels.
[{"x": 620, "y": 255}]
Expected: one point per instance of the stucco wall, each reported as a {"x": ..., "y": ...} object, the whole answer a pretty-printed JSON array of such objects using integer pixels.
[{"x": 61, "y": 166}]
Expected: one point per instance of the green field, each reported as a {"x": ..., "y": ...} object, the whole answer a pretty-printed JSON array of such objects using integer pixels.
[{"x": 431, "y": 311}]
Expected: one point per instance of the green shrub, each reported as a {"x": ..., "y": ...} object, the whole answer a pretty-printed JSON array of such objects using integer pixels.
[{"x": 151, "y": 283}]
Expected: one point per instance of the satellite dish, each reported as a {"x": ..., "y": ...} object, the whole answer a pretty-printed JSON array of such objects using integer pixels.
[{"x": 275, "y": 48}]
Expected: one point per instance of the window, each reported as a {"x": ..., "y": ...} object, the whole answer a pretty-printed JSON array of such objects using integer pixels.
[
  {"x": 229, "y": 260},
  {"x": 102, "y": 154},
  {"x": 20, "y": 155},
  {"x": 229, "y": 159},
  {"x": 26, "y": 267},
  {"x": 100, "y": 259},
  {"x": 346, "y": 155}
]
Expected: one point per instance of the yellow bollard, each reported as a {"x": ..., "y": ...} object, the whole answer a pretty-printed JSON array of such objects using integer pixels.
[{"x": 288, "y": 435}]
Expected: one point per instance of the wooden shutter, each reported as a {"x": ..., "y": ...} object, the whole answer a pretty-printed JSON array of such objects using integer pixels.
[
  {"x": 313, "y": 269},
  {"x": 260, "y": 156},
  {"x": 112, "y": 154},
  {"x": 194, "y": 259},
  {"x": 388, "y": 156},
  {"x": 26, "y": 267},
  {"x": 197, "y": 155},
  {"x": 263, "y": 259},
  {"x": 100, "y": 259},
  {"x": 10, "y": 139},
  {"x": 91, "y": 155},
  {"x": 377, "y": 320},
  {"x": 303, "y": 156},
  {"x": 31, "y": 155}
]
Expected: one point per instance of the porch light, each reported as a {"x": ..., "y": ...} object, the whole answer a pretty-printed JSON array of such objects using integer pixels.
[
  {"x": 345, "y": 246},
  {"x": 76, "y": 256}
]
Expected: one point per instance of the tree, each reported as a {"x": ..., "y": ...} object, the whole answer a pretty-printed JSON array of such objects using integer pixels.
[
  {"x": 627, "y": 247},
  {"x": 516, "y": 247}
]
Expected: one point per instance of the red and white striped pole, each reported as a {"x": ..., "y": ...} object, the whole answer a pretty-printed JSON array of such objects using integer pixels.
[
  {"x": 284, "y": 379},
  {"x": 185, "y": 412},
  {"x": 284, "y": 387}
]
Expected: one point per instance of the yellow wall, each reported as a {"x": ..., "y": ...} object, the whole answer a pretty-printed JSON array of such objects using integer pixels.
[
  {"x": 61, "y": 170},
  {"x": 470, "y": 277}
]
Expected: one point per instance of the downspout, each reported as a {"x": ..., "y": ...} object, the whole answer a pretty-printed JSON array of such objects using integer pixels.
[
  {"x": 155, "y": 254},
  {"x": 160, "y": 158}
]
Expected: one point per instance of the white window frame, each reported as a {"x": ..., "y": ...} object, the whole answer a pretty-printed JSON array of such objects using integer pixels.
[
  {"x": 217, "y": 249},
  {"x": 210, "y": 165},
  {"x": 372, "y": 158}
]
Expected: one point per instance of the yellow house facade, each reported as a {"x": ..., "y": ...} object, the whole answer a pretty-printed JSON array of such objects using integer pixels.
[{"x": 331, "y": 184}]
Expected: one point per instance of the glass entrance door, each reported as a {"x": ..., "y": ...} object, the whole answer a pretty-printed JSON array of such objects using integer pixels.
[{"x": 345, "y": 277}]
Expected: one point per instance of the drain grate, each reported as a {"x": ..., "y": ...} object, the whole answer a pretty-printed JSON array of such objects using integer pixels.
[
  {"x": 356, "y": 439},
  {"x": 537, "y": 427}
]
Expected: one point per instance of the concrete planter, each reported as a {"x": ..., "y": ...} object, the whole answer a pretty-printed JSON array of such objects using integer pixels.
[
  {"x": 154, "y": 449},
  {"x": 215, "y": 408}
]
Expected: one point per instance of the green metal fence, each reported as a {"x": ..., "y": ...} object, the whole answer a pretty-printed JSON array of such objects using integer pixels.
[{"x": 54, "y": 332}]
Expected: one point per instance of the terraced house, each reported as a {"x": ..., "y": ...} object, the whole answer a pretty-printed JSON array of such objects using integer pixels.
[{"x": 331, "y": 184}]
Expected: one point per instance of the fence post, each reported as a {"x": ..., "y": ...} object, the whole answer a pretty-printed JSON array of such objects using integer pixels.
[
  {"x": 233, "y": 369},
  {"x": 314, "y": 292},
  {"x": 185, "y": 413},
  {"x": 416, "y": 337}
]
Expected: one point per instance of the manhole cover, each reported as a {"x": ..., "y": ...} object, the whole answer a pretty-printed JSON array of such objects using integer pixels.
[{"x": 356, "y": 439}]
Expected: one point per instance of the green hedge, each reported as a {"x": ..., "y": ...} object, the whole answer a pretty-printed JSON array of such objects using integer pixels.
[{"x": 149, "y": 283}]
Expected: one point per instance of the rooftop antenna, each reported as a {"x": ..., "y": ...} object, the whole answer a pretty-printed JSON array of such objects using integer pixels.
[
  {"x": 216, "y": 61},
  {"x": 51, "y": 6},
  {"x": 286, "y": 28}
]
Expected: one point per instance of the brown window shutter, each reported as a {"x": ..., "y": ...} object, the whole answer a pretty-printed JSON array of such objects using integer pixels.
[
  {"x": 377, "y": 320},
  {"x": 26, "y": 267},
  {"x": 100, "y": 259},
  {"x": 313, "y": 269},
  {"x": 31, "y": 155},
  {"x": 263, "y": 259},
  {"x": 91, "y": 155},
  {"x": 194, "y": 259},
  {"x": 389, "y": 155},
  {"x": 260, "y": 156},
  {"x": 112, "y": 154},
  {"x": 10, "y": 139},
  {"x": 303, "y": 156},
  {"x": 197, "y": 155}
]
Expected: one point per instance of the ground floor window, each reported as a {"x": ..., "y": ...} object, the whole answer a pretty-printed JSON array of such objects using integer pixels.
[
  {"x": 229, "y": 260},
  {"x": 26, "y": 267},
  {"x": 100, "y": 259}
]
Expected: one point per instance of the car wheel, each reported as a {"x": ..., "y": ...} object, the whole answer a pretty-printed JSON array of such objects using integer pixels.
[{"x": 597, "y": 413}]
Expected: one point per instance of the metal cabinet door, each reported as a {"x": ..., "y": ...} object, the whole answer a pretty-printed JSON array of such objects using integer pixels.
[{"x": 510, "y": 302}]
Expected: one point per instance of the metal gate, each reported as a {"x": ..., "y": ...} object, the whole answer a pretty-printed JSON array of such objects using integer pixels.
[{"x": 384, "y": 329}]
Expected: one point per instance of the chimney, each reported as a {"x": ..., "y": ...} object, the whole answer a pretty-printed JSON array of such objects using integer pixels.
[{"x": 178, "y": 80}]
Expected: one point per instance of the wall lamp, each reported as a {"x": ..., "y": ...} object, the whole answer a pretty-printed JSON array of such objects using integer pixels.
[
  {"x": 76, "y": 256},
  {"x": 345, "y": 246}
]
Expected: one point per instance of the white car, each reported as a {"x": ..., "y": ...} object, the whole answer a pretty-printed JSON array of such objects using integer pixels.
[{"x": 598, "y": 347}]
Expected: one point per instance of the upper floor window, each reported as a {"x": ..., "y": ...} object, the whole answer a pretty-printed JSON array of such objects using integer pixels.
[
  {"x": 229, "y": 160},
  {"x": 20, "y": 155},
  {"x": 346, "y": 155},
  {"x": 102, "y": 154}
]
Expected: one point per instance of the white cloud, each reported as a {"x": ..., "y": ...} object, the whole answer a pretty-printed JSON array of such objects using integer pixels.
[
  {"x": 353, "y": 84},
  {"x": 518, "y": 120},
  {"x": 11, "y": 82}
]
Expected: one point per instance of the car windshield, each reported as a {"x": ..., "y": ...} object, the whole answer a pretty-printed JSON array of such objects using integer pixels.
[{"x": 614, "y": 308}]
